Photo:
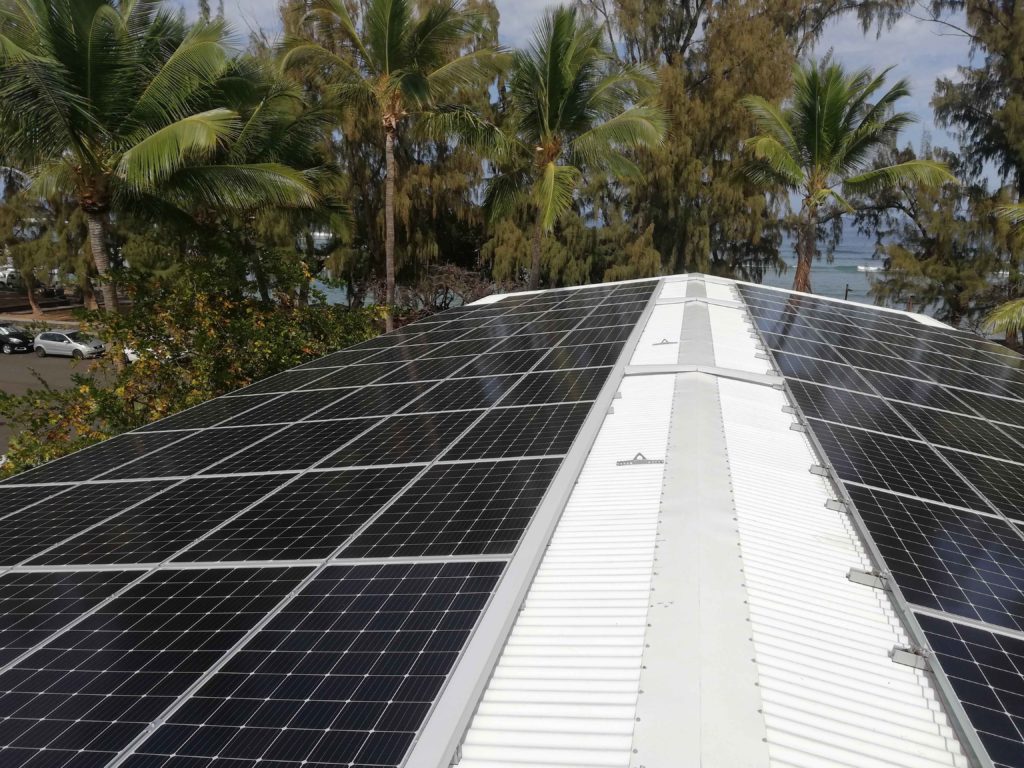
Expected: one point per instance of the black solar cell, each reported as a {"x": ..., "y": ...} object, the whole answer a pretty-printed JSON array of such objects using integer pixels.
[
  {"x": 1000, "y": 481},
  {"x": 819, "y": 371},
  {"x": 845, "y": 407},
  {"x": 460, "y": 509},
  {"x": 582, "y": 357},
  {"x": 499, "y": 363},
  {"x": 351, "y": 376},
  {"x": 966, "y": 433},
  {"x": 308, "y": 518},
  {"x": 339, "y": 359},
  {"x": 30, "y": 532},
  {"x": 950, "y": 560},
  {"x": 35, "y": 605},
  {"x": 986, "y": 670},
  {"x": 377, "y": 400},
  {"x": 293, "y": 406},
  {"x": 288, "y": 381},
  {"x": 892, "y": 463},
  {"x": 209, "y": 413},
  {"x": 405, "y": 439},
  {"x": 1001, "y": 409},
  {"x": 344, "y": 676},
  {"x": 923, "y": 393},
  {"x": 597, "y": 336},
  {"x": 297, "y": 447},
  {"x": 14, "y": 499},
  {"x": 86, "y": 694},
  {"x": 531, "y": 431},
  {"x": 423, "y": 370},
  {"x": 558, "y": 386},
  {"x": 162, "y": 525},
  {"x": 463, "y": 394},
  {"x": 98, "y": 459},
  {"x": 194, "y": 453}
]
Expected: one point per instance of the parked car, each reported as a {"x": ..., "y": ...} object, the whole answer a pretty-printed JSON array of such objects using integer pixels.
[
  {"x": 9, "y": 277},
  {"x": 71, "y": 344},
  {"x": 14, "y": 339}
]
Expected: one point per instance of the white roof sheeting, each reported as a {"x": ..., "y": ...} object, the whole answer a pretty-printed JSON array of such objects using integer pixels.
[{"x": 600, "y": 671}]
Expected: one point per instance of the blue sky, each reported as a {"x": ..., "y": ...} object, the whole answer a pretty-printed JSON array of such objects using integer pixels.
[{"x": 920, "y": 51}]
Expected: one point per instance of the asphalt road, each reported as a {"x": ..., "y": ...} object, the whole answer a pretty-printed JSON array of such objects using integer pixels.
[{"x": 18, "y": 375}]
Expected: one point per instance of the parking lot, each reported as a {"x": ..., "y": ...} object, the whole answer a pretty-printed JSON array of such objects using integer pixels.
[{"x": 18, "y": 375}]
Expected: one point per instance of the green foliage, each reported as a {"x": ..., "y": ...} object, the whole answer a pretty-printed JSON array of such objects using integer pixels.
[
  {"x": 195, "y": 343},
  {"x": 826, "y": 139}
]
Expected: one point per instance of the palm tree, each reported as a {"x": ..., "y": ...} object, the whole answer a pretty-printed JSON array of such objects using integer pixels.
[
  {"x": 825, "y": 140},
  {"x": 1008, "y": 317},
  {"x": 398, "y": 63},
  {"x": 574, "y": 110},
  {"x": 107, "y": 101}
]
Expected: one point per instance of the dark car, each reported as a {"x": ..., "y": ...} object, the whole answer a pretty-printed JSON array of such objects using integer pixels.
[{"x": 14, "y": 339}]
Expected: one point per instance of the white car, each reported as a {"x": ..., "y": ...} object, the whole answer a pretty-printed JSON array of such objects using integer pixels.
[{"x": 70, "y": 344}]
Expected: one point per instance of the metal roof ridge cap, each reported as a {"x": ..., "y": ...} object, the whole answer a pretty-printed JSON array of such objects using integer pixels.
[
  {"x": 763, "y": 379},
  {"x": 707, "y": 300},
  {"x": 445, "y": 728}
]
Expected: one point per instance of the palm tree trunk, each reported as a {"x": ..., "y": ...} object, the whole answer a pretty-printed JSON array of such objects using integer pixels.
[
  {"x": 98, "y": 244},
  {"x": 30, "y": 291},
  {"x": 538, "y": 234},
  {"x": 389, "y": 227},
  {"x": 806, "y": 248}
]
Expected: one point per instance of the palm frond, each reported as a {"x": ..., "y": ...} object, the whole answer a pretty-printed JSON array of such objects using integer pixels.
[
  {"x": 554, "y": 191},
  {"x": 1011, "y": 213},
  {"x": 466, "y": 71},
  {"x": 1007, "y": 318},
  {"x": 773, "y": 163},
  {"x": 165, "y": 151},
  {"x": 243, "y": 187},
  {"x": 925, "y": 173},
  {"x": 195, "y": 64},
  {"x": 637, "y": 127},
  {"x": 505, "y": 194}
]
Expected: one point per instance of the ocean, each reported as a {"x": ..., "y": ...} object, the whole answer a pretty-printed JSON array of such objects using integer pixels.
[{"x": 833, "y": 279}]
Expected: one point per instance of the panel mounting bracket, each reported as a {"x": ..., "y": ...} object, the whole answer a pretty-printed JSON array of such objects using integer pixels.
[
  {"x": 638, "y": 460},
  {"x": 909, "y": 656},
  {"x": 760, "y": 356},
  {"x": 789, "y": 409},
  {"x": 457, "y": 756},
  {"x": 872, "y": 579},
  {"x": 797, "y": 427},
  {"x": 820, "y": 471},
  {"x": 835, "y": 505}
]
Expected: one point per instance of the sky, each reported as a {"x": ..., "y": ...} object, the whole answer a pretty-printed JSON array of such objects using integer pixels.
[{"x": 920, "y": 51}]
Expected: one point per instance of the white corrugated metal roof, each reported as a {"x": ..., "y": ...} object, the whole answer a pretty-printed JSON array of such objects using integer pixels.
[{"x": 746, "y": 563}]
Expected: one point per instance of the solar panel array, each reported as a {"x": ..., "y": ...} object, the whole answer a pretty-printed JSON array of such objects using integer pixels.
[
  {"x": 924, "y": 428},
  {"x": 287, "y": 575}
]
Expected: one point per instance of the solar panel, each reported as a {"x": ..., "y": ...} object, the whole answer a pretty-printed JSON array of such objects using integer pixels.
[
  {"x": 998, "y": 480},
  {"x": 308, "y": 518},
  {"x": 83, "y": 696},
  {"x": 38, "y": 528},
  {"x": 845, "y": 407},
  {"x": 97, "y": 459},
  {"x": 986, "y": 670},
  {"x": 459, "y": 509},
  {"x": 161, "y": 525},
  {"x": 966, "y": 433},
  {"x": 344, "y": 675},
  {"x": 508, "y": 432},
  {"x": 297, "y": 447},
  {"x": 34, "y": 605},
  {"x": 404, "y": 439},
  {"x": 558, "y": 387},
  {"x": 425, "y": 443},
  {"x": 209, "y": 413},
  {"x": 931, "y": 506},
  {"x": 195, "y": 452},
  {"x": 293, "y": 406},
  {"x": 963, "y": 563}
]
